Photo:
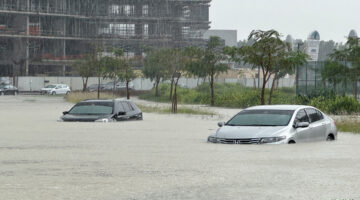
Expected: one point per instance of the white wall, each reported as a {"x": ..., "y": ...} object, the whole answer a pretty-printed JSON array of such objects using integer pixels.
[{"x": 75, "y": 83}]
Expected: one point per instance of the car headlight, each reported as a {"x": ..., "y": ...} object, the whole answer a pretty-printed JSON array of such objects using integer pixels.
[
  {"x": 105, "y": 120},
  {"x": 272, "y": 139},
  {"x": 212, "y": 139}
]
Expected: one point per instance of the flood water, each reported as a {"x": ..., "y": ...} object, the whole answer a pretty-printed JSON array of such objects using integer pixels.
[{"x": 162, "y": 157}]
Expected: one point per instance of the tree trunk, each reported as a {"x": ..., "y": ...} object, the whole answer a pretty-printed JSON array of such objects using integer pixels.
[
  {"x": 127, "y": 90},
  {"x": 114, "y": 88},
  {"x": 272, "y": 88},
  {"x": 174, "y": 98},
  {"x": 212, "y": 103},
  {"x": 255, "y": 84},
  {"x": 263, "y": 91},
  {"x": 171, "y": 87},
  {"x": 157, "y": 81},
  {"x": 98, "y": 91},
  {"x": 85, "y": 81}
]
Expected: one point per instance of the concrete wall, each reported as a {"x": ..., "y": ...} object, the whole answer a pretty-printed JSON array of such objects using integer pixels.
[{"x": 75, "y": 83}]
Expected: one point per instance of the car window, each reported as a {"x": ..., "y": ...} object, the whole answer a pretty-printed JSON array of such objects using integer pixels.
[
  {"x": 92, "y": 108},
  {"x": 260, "y": 117},
  {"x": 126, "y": 106},
  {"x": 50, "y": 86},
  {"x": 313, "y": 115},
  {"x": 302, "y": 116},
  {"x": 130, "y": 106},
  {"x": 321, "y": 116},
  {"x": 120, "y": 107}
]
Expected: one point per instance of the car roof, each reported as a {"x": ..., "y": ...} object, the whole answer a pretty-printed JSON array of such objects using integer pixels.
[
  {"x": 98, "y": 100},
  {"x": 105, "y": 100},
  {"x": 278, "y": 107}
]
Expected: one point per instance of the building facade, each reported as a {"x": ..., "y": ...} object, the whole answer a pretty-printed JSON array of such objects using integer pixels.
[
  {"x": 313, "y": 46},
  {"x": 43, "y": 37},
  {"x": 229, "y": 36}
]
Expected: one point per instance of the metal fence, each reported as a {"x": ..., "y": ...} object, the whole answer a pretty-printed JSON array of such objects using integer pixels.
[
  {"x": 309, "y": 81},
  {"x": 31, "y": 84}
]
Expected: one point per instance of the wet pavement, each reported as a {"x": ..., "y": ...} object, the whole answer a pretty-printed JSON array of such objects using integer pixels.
[{"x": 162, "y": 157}]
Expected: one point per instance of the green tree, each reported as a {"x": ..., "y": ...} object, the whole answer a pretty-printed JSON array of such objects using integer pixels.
[
  {"x": 99, "y": 62},
  {"x": 177, "y": 65},
  {"x": 113, "y": 66},
  {"x": 271, "y": 54},
  {"x": 286, "y": 65},
  {"x": 85, "y": 70},
  {"x": 208, "y": 62},
  {"x": 156, "y": 67},
  {"x": 127, "y": 73},
  {"x": 111, "y": 70},
  {"x": 350, "y": 57},
  {"x": 193, "y": 67},
  {"x": 334, "y": 72}
]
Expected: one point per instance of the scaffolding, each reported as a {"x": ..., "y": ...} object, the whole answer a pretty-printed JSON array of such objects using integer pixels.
[{"x": 41, "y": 37}]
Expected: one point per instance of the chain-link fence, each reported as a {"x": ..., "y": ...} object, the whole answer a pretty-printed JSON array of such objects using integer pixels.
[{"x": 309, "y": 81}]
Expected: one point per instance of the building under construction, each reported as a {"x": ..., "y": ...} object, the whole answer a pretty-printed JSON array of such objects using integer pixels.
[{"x": 43, "y": 37}]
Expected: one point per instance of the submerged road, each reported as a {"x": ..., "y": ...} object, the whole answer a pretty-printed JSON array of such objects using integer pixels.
[{"x": 162, "y": 157}]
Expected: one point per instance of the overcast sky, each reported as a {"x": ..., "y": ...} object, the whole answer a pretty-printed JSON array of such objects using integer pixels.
[{"x": 332, "y": 18}]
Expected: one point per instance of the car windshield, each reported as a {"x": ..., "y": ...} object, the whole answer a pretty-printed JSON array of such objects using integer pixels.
[
  {"x": 51, "y": 86},
  {"x": 92, "y": 108},
  {"x": 6, "y": 86},
  {"x": 262, "y": 118}
]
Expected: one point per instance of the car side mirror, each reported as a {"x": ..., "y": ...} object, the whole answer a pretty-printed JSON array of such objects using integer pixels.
[
  {"x": 221, "y": 124},
  {"x": 121, "y": 113},
  {"x": 301, "y": 125},
  {"x": 66, "y": 112}
]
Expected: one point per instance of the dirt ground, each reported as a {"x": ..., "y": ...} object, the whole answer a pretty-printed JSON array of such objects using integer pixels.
[{"x": 162, "y": 157}]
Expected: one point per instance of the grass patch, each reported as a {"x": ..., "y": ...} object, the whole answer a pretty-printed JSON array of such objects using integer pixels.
[
  {"x": 226, "y": 95},
  {"x": 76, "y": 97},
  {"x": 181, "y": 110},
  {"x": 348, "y": 126}
]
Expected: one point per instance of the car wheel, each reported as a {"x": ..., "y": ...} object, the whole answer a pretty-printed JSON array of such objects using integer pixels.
[
  {"x": 292, "y": 142},
  {"x": 67, "y": 93},
  {"x": 2, "y": 94},
  {"x": 53, "y": 93},
  {"x": 330, "y": 138}
]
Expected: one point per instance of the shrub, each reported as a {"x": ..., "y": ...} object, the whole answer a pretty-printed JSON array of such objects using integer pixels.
[
  {"x": 337, "y": 105},
  {"x": 238, "y": 96},
  {"x": 226, "y": 95}
]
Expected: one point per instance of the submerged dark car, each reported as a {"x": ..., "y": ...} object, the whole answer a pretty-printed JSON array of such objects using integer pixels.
[
  {"x": 7, "y": 89},
  {"x": 103, "y": 111}
]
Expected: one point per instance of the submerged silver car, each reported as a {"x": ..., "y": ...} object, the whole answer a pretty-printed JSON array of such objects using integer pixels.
[{"x": 280, "y": 124}]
